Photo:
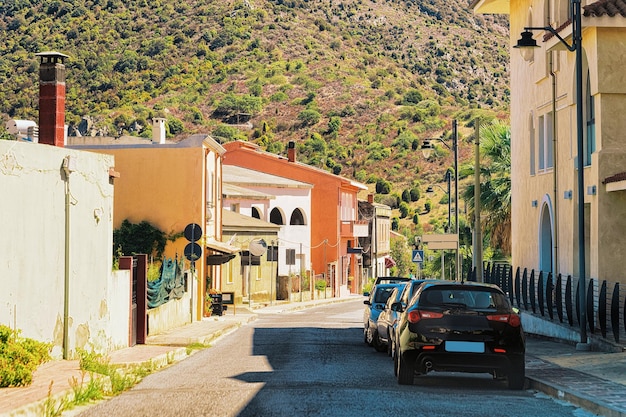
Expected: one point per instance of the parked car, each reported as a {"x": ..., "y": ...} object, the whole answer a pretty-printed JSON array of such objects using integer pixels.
[
  {"x": 462, "y": 327},
  {"x": 389, "y": 316},
  {"x": 387, "y": 319},
  {"x": 375, "y": 304},
  {"x": 390, "y": 280}
]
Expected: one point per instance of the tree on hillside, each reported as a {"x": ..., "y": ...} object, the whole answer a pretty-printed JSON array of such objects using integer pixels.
[{"x": 495, "y": 189}]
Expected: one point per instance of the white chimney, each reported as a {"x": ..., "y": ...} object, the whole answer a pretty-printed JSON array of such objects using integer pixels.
[{"x": 158, "y": 130}]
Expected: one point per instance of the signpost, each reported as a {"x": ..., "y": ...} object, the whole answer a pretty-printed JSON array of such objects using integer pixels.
[
  {"x": 192, "y": 252},
  {"x": 442, "y": 242}
]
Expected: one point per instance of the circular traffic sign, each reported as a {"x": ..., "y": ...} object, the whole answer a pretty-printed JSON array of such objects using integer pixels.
[
  {"x": 193, "y": 232},
  {"x": 193, "y": 251}
]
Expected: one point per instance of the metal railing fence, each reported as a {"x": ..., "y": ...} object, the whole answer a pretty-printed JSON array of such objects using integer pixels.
[{"x": 555, "y": 298}]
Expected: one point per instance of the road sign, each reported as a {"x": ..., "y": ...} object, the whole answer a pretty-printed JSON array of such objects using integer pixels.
[
  {"x": 193, "y": 232},
  {"x": 441, "y": 241},
  {"x": 192, "y": 251},
  {"x": 418, "y": 256}
]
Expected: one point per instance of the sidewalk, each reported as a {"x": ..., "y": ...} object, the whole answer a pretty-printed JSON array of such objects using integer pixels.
[{"x": 595, "y": 381}]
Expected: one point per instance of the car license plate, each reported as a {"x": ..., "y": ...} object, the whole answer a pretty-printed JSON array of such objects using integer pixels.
[{"x": 472, "y": 347}]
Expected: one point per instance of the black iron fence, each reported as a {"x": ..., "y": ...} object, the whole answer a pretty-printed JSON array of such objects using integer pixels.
[{"x": 556, "y": 298}]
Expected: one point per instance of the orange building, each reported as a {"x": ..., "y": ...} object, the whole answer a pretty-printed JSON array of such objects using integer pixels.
[{"x": 334, "y": 226}]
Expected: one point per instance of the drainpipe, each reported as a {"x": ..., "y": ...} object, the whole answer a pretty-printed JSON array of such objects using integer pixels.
[
  {"x": 66, "y": 296},
  {"x": 555, "y": 265}
]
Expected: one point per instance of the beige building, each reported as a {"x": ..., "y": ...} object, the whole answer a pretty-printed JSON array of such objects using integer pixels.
[
  {"x": 171, "y": 185},
  {"x": 544, "y": 137}
]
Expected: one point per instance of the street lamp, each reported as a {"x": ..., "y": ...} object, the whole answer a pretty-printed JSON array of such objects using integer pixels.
[
  {"x": 429, "y": 189},
  {"x": 426, "y": 148},
  {"x": 527, "y": 43}
]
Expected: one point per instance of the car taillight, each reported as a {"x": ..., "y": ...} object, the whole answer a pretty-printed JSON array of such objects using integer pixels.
[
  {"x": 511, "y": 319},
  {"x": 416, "y": 315}
]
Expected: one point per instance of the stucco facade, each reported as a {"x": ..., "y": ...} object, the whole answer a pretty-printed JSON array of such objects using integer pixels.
[
  {"x": 334, "y": 224},
  {"x": 55, "y": 254},
  {"x": 289, "y": 206},
  {"x": 170, "y": 185},
  {"x": 544, "y": 138}
]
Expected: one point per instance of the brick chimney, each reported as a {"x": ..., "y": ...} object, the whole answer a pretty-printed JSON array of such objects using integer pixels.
[
  {"x": 52, "y": 98},
  {"x": 291, "y": 151}
]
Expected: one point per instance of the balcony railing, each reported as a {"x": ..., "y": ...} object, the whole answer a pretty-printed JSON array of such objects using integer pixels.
[{"x": 354, "y": 228}]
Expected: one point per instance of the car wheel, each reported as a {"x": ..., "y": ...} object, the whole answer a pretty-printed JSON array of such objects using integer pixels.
[
  {"x": 369, "y": 337},
  {"x": 377, "y": 343},
  {"x": 389, "y": 343},
  {"x": 404, "y": 372},
  {"x": 365, "y": 336},
  {"x": 516, "y": 377}
]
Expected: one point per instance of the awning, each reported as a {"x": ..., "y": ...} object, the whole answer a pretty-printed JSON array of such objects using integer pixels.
[
  {"x": 222, "y": 247},
  {"x": 218, "y": 259},
  {"x": 389, "y": 262}
]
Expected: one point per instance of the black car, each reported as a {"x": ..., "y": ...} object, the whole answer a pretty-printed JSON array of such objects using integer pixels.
[{"x": 460, "y": 327}]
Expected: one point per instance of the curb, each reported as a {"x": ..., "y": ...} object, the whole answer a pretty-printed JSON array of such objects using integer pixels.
[{"x": 572, "y": 397}]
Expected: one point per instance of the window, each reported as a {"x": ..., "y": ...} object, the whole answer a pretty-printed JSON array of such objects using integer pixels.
[
  {"x": 276, "y": 216},
  {"x": 531, "y": 141},
  {"x": 256, "y": 213},
  {"x": 545, "y": 144},
  {"x": 590, "y": 119},
  {"x": 234, "y": 208},
  {"x": 297, "y": 218},
  {"x": 347, "y": 206}
]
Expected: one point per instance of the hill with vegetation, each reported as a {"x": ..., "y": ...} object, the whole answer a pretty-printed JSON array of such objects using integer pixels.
[{"x": 357, "y": 84}]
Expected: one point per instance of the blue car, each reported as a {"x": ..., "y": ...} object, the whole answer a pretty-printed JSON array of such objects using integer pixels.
[{"x": 375, "y": 304}]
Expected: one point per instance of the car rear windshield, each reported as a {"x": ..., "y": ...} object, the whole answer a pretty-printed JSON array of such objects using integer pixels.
[
  {"x": 382, "y": 294},
  {"x": 475, "y": 298}
]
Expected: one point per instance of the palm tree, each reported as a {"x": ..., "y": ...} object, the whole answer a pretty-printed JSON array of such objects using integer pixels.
[{"x": 495, "y": 186}]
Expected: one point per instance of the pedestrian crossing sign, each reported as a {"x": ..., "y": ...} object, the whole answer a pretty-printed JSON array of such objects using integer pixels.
[{"x": 418, "y": 256}]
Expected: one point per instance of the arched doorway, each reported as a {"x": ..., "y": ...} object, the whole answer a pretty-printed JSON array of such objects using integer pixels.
[{"x": 546, "y": 260}]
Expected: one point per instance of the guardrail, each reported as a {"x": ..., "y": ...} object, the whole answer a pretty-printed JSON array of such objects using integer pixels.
[{"x": 557, "y": 298}]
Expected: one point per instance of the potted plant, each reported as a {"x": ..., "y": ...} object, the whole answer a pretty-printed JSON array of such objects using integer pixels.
[{"x": 208, "y": 305}]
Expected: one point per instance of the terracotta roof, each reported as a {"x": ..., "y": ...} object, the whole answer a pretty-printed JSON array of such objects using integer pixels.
[
  {"x": 605, "y": 7},
  {"x": 615, "y": 178}
]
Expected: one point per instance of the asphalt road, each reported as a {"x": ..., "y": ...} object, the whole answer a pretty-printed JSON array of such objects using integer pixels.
[{"x": 314, "y": 363}]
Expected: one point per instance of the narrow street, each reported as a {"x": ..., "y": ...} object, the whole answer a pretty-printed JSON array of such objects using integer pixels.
[{"x": 312, "y": 363}]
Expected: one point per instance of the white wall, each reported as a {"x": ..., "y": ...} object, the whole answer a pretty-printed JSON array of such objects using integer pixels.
[
  {"x": 290, "y": 237},
  {"x": 32, "y": 248}
]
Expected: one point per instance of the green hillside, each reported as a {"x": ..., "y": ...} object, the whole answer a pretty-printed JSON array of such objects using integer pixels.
[{"x": 356, "y": 83}]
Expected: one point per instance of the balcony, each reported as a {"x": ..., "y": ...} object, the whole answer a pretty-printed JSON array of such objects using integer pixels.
[{"x": 354, "y": 228}]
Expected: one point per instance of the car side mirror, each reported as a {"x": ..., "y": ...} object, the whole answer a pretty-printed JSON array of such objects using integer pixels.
[
  {"x": 367, "y": 302},
  {"x": 366, "y": 294}
]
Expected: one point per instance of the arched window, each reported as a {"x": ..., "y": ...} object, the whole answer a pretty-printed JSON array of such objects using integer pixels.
[
  {"x": 297, "y": 218},
  {"x": 276, "y": 216},
  {"x": 256, "y": 213}
]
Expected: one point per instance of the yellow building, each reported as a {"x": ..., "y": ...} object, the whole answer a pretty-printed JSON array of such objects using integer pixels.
[
  {"x": 544, "y": 136},
  {"x": 170, "y": 185}
]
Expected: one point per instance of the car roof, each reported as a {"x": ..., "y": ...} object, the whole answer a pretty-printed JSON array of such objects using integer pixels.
[
  {"x": 378, "y": 279},
  {"x": 467, "y": 284},
  {"x": 394, "y": 285}
]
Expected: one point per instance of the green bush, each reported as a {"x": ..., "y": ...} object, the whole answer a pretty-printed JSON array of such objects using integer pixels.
[
  {"x": 320, "y": 284},
  {"x": 19, "y": 357}
]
